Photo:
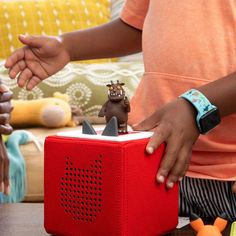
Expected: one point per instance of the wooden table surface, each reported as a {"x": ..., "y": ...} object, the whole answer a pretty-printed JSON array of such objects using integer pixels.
[{"x": 26, "y": 219}]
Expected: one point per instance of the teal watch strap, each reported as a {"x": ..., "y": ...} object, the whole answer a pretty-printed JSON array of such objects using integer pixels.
[
  {"x": 199, "y": 101},
  {"x": 201, "y": 104}
]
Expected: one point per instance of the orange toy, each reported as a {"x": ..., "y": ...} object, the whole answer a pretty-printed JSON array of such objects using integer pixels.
[{"x": 208, "y": 230}]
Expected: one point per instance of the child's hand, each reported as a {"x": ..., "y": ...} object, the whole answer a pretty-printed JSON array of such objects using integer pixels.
[
  {"x": 174, "y": 124},
  {"x": 5, "y": 128},
  {"x": 5, "y": 110},
  {"x": 42, "y": 57}
]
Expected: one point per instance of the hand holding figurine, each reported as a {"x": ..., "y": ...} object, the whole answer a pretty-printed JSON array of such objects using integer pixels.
[
  {"x": 175, "y": 125},
  {"x": 41, "y": 57}
]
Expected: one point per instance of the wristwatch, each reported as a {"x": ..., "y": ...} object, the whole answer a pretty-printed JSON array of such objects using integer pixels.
[{"x": 208, "y": 115}]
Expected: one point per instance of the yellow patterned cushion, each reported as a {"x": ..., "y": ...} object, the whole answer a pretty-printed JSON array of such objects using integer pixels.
[{"x": 52, "y": 17}]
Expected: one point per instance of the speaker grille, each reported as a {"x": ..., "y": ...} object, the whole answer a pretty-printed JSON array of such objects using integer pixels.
[{"x": 81, "y": 190}]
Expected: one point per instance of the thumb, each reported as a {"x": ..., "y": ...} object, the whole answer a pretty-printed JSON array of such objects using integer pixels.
[
  {"x": 138, "y": 126},
  {"x": 31, "y": 41},
  {"x": 148, "y": 123}
]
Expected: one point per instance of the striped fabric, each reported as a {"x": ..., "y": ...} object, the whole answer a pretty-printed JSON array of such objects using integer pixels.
[{"x": 207, "y": 198}]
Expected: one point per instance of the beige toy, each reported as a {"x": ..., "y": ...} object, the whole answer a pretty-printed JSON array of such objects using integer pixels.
[{"x": 50, "y": 112}]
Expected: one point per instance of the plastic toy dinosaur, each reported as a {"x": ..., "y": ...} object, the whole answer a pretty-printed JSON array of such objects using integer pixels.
[{"x": 208, "y": 230}]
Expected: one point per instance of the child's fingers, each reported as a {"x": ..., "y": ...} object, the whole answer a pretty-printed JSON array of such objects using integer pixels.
[
  {"x": 33, "y": 82},
  {"x": 180, "y": 166},
  {"x": 171, "y": 153},
  {"x": 6, "y": 129},
  {"x": 157, "y": 139},
  {"x": 16, "y": 68},
  {"x": 18, "y": 55},
  {"x": 5, "y": 107},
  {"x": 24, "y": 77},
  {"x": 4, "y": 118},
  {"x": 5, "y": 96}
]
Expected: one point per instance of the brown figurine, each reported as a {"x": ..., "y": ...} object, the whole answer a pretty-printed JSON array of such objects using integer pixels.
[{"x": 117, "y": 106}]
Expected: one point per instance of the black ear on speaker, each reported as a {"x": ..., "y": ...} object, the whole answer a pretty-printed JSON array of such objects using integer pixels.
[
  {"x": 87, "y": 128},
  {"x": 111, "y": 128}
]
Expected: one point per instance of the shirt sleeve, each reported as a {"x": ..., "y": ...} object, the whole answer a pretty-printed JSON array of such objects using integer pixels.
[{"x": 134, "y": 12}]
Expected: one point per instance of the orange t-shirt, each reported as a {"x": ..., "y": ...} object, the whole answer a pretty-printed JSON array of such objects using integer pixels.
[{"x": 185, "y": 45}]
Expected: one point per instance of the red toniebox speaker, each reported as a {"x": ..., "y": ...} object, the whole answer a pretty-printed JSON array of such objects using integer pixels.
[{"x": 105, "y": 186}]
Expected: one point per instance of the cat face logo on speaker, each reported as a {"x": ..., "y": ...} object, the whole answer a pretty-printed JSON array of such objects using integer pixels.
[{"x": 81, "y": 190}]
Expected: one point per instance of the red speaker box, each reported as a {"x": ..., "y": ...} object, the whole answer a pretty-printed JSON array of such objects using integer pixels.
[{"x": 98, "y": 186}]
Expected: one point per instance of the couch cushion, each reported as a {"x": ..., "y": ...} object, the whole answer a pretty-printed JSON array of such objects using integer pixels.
[
  {"x": 51, "y": 17},
  {"x": 85, "y": 84}
]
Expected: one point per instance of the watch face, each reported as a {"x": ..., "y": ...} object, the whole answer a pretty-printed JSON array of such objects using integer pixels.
[{"x": 209, "y": 120}]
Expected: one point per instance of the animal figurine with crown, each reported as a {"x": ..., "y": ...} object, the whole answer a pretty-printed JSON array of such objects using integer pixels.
[
  {"x": 208, "y": 230},
  {"x": 117, "y": 106}
]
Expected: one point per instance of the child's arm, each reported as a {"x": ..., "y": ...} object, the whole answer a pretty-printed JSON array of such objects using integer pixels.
[
  {"x": 181, "y": 133},
  {"x": 113, "y": 39},
  {"x": 43, "y": 56}
]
